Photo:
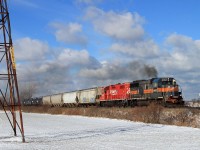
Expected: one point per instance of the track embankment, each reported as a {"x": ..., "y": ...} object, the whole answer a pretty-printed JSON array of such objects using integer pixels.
[{"x": 150, "y": 114}]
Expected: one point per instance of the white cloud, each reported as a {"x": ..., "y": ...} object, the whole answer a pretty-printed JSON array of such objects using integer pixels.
[
  {"x": 184, "y": 53},
  {"x": 122, "y": 26},
  {"x": 69, "y": 33},
  {"x": 126, "y": 30},
  {"x": 58, "y": 73},
  {"x": 67, "y": 59},
  {"x": 74, "y": 57},
  {"x": 145, "y": 49},
  {"x": 30, "y": 49}
]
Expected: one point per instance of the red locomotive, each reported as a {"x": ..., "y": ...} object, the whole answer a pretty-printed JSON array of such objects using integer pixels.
[{"x": 115, "y": 94}]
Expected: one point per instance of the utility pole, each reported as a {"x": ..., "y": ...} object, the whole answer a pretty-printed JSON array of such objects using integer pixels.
[{"x": 9, "y": 92}]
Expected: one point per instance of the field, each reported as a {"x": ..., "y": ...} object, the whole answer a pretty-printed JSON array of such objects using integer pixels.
[{"x": 45, "y": 131}]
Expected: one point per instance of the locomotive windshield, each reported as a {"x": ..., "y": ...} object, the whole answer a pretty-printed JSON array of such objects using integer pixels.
[{"x": 167, "y": 83}]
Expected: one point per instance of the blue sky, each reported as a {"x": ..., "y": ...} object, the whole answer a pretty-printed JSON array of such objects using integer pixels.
[
  {"x": 64, "y": 45},
  {"x": 160, "y": 16}
]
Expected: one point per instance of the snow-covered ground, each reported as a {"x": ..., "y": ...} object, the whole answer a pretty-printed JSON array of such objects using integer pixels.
[
  {"x": 193, "y": 104},
  {"x": 44, "y": 131}
]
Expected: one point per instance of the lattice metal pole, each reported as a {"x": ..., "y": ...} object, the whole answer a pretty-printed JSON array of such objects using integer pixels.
[{"x": 9, "y": 91}]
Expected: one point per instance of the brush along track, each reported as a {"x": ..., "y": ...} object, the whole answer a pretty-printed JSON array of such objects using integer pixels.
[{"x": 181, "y": 116}]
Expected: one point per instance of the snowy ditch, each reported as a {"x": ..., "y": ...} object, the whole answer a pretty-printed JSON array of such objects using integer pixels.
[{"x": 44, "y": 131}]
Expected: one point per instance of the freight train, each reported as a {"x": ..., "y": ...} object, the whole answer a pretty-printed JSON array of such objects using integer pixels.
[{"x": 164, "y": 91}]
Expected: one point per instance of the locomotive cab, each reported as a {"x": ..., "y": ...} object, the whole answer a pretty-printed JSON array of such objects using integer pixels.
[{"x": 170, "y": 90}]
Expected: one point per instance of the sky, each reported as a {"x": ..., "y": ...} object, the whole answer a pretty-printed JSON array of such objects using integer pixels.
[{"x": 64, "y": 45}]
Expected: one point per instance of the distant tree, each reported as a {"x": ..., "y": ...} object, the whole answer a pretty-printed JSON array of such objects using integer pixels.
[{"x": 26, "y": 91}]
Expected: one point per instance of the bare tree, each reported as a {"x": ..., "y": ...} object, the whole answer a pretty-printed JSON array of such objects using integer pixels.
[{"x": 27, "y": 90}]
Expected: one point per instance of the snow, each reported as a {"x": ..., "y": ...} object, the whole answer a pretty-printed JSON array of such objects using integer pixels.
[
  {"x": 193, "y": 104},
  {"x": 44, "y": 131}
]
